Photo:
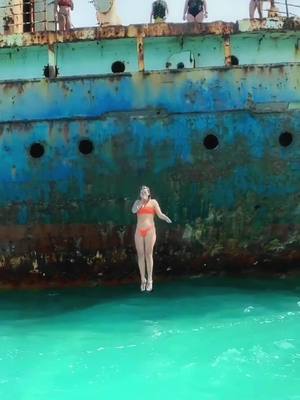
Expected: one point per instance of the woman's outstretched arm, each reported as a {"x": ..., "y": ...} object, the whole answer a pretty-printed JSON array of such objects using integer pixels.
[{"x": 160, "y": 214}]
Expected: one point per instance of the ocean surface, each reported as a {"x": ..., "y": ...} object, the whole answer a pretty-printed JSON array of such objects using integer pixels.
[{"x": 207, "y": 339}]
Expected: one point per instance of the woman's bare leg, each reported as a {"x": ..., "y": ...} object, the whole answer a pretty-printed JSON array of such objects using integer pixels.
[
  {"x": 252, "y": 7},
  {"x": 140, "y": 248},
  {"x": 199, "y": 17},
  {"x": 259, "y": 9},
  {"x": 149, "y": 245},
  {"x": 68, "y": 21},
  {"x": 190, "y": 18},
  {"x": 61, "y": 21}
]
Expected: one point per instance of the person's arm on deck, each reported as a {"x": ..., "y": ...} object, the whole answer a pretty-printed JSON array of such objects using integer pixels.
[
  {"x": 167, "y": 9},
  {"x": 151, "y": 15},
  {"x": 185, "y": 9},
  {"x": 205, "y": 8}
]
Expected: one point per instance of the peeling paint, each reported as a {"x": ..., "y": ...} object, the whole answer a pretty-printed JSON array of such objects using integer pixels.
[
  {"x": 115, "y": 32},
  {"x": 206, "y": 138}
]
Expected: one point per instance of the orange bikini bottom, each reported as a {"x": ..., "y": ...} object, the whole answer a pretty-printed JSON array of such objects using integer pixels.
[{"x": 144, "y": 232}]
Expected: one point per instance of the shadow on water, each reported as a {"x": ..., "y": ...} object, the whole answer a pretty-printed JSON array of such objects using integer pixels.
[{"x": 207, "y": 292}]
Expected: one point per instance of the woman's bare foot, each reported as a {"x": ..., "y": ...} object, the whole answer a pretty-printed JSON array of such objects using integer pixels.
[
  {"x": 149, "y": 286},
  {"x": 143, "y": 285}
]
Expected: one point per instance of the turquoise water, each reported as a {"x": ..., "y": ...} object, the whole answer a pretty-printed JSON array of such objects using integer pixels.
[{"x": 197, "y": 339}]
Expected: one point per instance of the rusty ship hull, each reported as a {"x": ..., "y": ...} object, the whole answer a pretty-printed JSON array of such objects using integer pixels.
[{"x": 194, "y": 111}]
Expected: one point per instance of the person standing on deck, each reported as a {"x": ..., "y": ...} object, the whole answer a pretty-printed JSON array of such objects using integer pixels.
[
  {"x": 195, "y": 10},
  {"x": 106, "y": 12},
  {"x": 253, "y": 6},
  {"x": 145, "y": 236},
  {"x": 64, "y": 14},
  {"x": 273, "y": 11},
  {"x": 159, "y": 11}
]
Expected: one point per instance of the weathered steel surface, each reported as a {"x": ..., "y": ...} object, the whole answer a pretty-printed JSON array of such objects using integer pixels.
[
  {"x": 254, "y": 88},
  {"x": 67, "y": 215},
  {"x": 117, "y": 32},
  {"x": 248, "y": 25},
  {"x": 153, "y": 30},
  {"x": 97, "y": 57}
]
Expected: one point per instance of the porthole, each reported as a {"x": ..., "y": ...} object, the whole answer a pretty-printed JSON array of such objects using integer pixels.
[
  {"x": 37, "y": 150},
  {"x": 210, "y": 142},
  {"x": 86, "y": 146},
  {"x": 234, "y": 60},
  {"x": 285, "y": 139},
  {"x": 180, "y": 65},
  {"x": 50, "y": 71},
  {"x": 118, "y": 67}
]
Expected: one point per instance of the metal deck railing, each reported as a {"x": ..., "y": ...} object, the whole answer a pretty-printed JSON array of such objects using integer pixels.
[
  {"x": 287, "y": 9},
  {"x": 17, "y": 16}
]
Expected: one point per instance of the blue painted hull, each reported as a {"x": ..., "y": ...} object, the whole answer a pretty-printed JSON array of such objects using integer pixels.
[{"x": 234, "y": 204}]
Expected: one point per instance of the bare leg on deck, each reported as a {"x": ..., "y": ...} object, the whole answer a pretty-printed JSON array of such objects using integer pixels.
[{"x": 255, "y": 4}]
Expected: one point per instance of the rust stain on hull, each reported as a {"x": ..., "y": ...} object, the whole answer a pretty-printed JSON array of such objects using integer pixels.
[
  {"x": 117, "y": 32},
  {"x": 211, "y": 138},
  {"x": 149, "y": 30},
  {"x": 78, "y": 253}
]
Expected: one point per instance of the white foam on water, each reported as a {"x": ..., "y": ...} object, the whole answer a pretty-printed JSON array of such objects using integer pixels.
[
  {"x": 248, "y": 309},
  {"x": 229, "y": 355},
  {"x": 284, "y": 344}
]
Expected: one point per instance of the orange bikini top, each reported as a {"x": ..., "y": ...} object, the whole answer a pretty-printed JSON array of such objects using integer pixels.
[{"x": 146, "y": 210}]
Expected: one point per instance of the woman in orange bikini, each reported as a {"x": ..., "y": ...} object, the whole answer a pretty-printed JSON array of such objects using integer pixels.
[{"x": 145, "y": 235}]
